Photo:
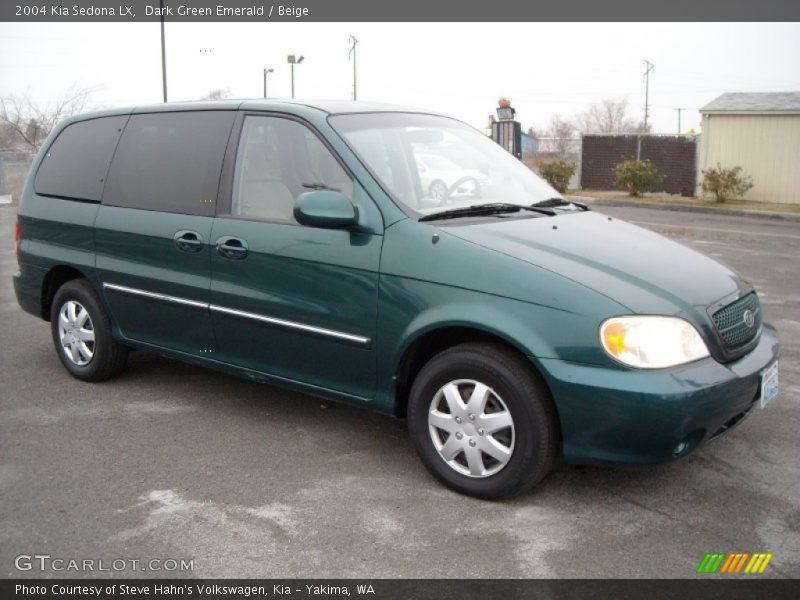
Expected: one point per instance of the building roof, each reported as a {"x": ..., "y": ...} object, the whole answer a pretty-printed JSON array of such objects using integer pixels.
[{"x": 754, "y": 102}]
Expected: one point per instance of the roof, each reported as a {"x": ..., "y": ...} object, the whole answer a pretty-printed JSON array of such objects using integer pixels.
[
  {"x": 332, "y": 107},
  {"x": 754, "y": 102},
  {"x": 309, "y": 109},
  {"x": 336, "y": 107}
]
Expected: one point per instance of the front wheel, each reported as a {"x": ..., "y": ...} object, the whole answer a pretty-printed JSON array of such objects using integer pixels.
[
  {"x": 482, "y": 422},
  {"x": 82, "y": 333}
]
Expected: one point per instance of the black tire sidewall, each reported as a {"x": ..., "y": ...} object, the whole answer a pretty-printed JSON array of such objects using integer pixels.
[{"x": 524, "y": 397}]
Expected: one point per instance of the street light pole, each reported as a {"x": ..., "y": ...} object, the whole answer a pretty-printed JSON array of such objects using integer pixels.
[
  {"x": 293, "y": 60},
  {"x": 266, "y": 71}
]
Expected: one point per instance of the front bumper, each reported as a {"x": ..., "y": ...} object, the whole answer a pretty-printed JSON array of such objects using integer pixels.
[{"x": 633, "y": 416}]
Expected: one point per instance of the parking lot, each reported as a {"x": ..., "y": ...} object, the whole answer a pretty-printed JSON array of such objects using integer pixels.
[{"x": 171, "y": 461}]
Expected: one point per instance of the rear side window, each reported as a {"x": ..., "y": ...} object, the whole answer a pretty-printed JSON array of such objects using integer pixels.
[
  {"x": 170, "y": 162},
  {"x": 77, "y": 161}
]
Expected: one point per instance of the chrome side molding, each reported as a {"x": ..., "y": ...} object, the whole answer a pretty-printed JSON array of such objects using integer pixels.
[
  {"x": 290, "y": 324},
  {"x": 153, "y": 295},
  {"x": 311, "y": 329}
]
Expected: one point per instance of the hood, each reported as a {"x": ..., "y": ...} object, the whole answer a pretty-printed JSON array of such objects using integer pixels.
[{"x": 637, "y": 268}]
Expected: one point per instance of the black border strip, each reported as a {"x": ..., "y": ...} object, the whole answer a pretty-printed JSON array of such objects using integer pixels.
[
  {"x": 712, "y": 587},
  {"x": 409, "y": 10}
]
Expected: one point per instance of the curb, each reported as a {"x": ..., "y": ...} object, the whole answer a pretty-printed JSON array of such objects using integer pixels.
[{"x": 758, "y": 214}]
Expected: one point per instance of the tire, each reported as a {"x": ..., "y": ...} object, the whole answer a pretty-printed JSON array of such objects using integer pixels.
[
  {"x": 81, "y": 332},
  {"x": 527, "y": 448}
]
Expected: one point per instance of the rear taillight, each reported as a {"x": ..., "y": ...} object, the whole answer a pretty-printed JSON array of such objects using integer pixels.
[{"x": 17, "y": 240}]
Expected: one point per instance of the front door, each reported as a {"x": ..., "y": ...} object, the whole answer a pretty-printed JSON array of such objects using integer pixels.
[{"x": 298, "y": 303}]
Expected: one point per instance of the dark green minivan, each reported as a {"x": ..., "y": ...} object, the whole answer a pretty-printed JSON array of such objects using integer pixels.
[{"x": 392, "y": 259}]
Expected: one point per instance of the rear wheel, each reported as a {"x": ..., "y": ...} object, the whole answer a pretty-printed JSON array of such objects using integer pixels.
[
  {"x": 482, "y": 421},
  {"x": 81, "y": 332}
]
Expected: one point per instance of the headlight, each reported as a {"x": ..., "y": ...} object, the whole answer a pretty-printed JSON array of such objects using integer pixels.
[{"x": 652, "y": 342}]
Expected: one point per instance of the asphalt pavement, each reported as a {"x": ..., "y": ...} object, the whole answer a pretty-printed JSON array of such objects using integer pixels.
[{"x": 171, "y": 461}]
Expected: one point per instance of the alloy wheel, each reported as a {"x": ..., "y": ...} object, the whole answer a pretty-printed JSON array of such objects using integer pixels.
[
  {"x": 471, "y": 428},
  {"x": 76, "y": 333}
]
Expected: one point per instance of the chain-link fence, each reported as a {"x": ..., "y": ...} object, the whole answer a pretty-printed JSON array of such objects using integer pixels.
[{"x": 673, "y": 156}]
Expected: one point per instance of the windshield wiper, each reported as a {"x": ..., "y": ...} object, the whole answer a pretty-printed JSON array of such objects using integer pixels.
[
  {"x": 486, "y": 209},
  {"x": 553, "y": 202}
]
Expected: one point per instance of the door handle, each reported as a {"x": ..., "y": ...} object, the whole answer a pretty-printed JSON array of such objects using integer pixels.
[
  {"x": 232, "y": 247},
  {"x": 188, "y": 241}
]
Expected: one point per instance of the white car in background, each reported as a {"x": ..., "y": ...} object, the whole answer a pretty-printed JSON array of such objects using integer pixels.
[{"x": 441, "y": 178}]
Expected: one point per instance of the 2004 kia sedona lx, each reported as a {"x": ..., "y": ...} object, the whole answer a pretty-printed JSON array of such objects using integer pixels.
[{"x": 391, "y": 259}]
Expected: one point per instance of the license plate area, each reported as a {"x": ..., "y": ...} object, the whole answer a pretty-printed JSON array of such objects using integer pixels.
[{"x": 769, "y": 384}]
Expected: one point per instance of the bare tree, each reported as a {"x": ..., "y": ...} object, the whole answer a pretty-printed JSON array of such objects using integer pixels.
[
  {"x": 31, "y": 122},
  {"x": 9, "y": 139},
  {"x": 535, "y": 132},
  {"x": 560, "y": 127},
  {"x": 562, "y": 131},
  {"x": 608, "y": 116},
  {"x": 217, "y": 94}
]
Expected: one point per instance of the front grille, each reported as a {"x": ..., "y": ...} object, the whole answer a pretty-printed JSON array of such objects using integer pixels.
[{"x": 731, "y": 325}]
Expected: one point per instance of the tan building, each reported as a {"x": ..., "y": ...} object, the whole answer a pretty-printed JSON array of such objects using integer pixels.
[{"x": 759, "y": 132}]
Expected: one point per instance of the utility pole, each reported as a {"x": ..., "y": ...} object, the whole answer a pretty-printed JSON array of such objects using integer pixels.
[
  {"x": 648, "y": 67},
  {"x": 679, "y": 118},
  {"x": 353, "y": 52},
  {"x": 163, "y": 53}
]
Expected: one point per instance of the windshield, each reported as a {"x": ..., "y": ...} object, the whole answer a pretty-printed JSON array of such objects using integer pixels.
[
  {"x": 431, "y": 163},
  {"x": 437, "y": 162}
]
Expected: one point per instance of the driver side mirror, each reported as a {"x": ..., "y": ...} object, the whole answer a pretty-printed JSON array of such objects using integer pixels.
[{"x": 327, "y": 209}]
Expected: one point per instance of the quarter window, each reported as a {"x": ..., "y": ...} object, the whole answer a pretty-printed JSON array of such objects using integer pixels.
[
  {"x": 77, "y": 161},
  {"x": 170, "y": 162},
  {"x": 278, "y": 160}
]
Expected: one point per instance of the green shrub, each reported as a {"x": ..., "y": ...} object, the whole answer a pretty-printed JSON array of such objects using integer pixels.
[
  {"x": 558, "y": 173},
  {"x": 637, "y": 176},
  {"x": 726, "y": 184}
]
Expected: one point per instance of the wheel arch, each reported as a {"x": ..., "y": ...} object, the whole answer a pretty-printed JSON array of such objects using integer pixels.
[
  {"x": 54, "y": 279},
  {"x": 431, "y": 342}
]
